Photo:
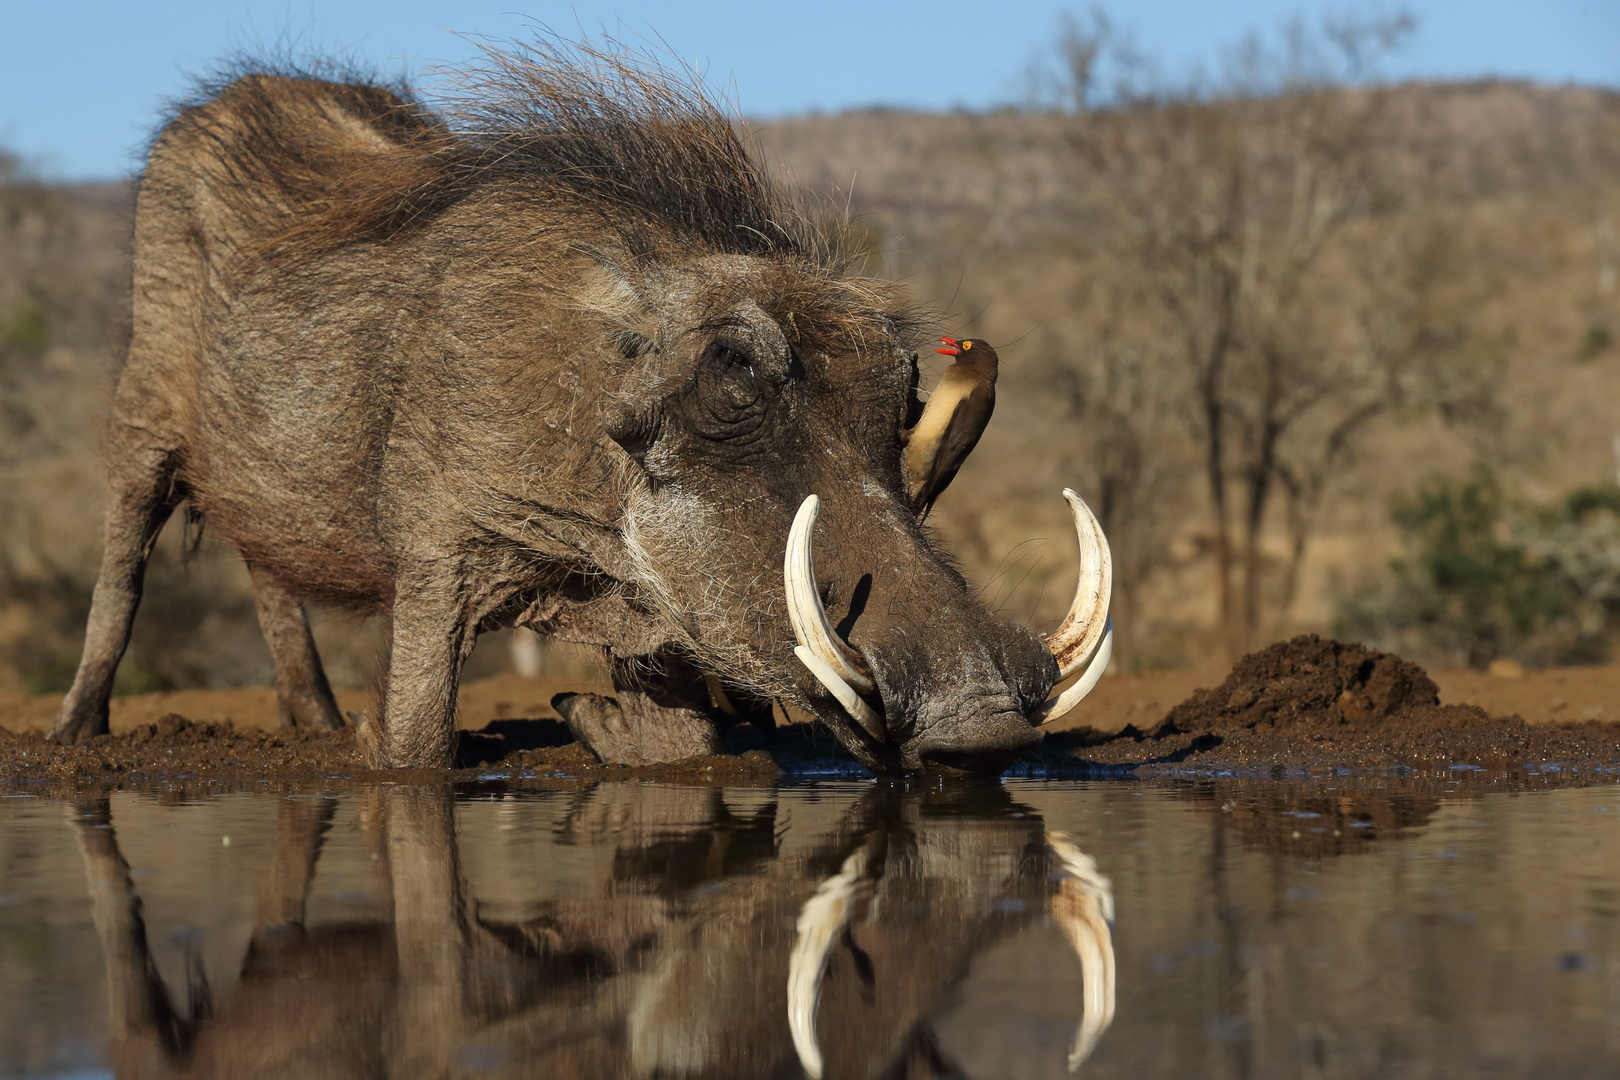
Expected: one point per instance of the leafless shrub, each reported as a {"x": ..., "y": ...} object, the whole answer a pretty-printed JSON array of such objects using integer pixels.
[{"x": 1289, "y": 293}]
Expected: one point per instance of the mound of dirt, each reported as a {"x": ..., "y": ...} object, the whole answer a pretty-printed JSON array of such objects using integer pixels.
[
  {"x": 1308, "y": 682},
  {"x": 1313, "y": 702},
  {"x": 176, "y": 747}
]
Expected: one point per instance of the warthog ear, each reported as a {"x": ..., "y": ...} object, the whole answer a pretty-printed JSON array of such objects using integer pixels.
[{"x": 914, "y": 402}]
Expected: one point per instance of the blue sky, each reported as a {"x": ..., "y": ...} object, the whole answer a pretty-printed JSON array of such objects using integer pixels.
[{"x": 81, "y": 81}]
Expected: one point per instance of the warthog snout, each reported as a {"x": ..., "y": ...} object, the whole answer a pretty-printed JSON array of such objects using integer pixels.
[{"x": 979, "y": 724}]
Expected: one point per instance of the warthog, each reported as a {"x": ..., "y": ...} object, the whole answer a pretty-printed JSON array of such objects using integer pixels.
[
  {"x": 568, "y": 359},
  {"x": 704, "y": 951}
]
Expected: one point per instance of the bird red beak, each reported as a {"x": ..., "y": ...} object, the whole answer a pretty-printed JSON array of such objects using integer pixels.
[{"x": 953, "y": 350}]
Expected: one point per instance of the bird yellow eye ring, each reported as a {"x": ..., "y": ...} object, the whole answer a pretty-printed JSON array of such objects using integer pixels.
[{"x": 967, "y": 345}]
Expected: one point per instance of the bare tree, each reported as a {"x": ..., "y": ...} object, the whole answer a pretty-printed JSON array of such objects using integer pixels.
[
  {"x": 1117, "y": 388},
  {"x": 1257, "y": 216}
]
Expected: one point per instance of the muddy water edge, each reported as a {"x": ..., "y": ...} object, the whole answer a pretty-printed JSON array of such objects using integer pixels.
[{"x": 1449, "y": 923}]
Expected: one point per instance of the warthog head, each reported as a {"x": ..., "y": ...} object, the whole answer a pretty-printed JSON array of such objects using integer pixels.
[
  {"x": 768, "y": 415},
  {"x": 760, "y": 400}
]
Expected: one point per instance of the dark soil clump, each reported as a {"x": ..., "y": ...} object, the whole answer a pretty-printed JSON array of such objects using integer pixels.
[
  {"x": 1309, "y": 682},
  {"x": 178, "y": 748},
  {"x": 1313, "y": 703}
]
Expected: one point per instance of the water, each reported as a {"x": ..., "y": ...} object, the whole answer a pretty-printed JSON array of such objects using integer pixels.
[{"x": 1351, "y": 928}]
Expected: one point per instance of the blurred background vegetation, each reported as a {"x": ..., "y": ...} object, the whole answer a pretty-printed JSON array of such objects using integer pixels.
[{"x": 1323, "y": 352}]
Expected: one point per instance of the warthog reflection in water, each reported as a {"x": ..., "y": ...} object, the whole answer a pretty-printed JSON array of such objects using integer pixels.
[{"x": 706, "y": 954}]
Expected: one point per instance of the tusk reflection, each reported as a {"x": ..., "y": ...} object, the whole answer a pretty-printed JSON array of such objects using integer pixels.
[
  {"x": 1083, "y": 909},
  {"x": 824, "y": 917}
]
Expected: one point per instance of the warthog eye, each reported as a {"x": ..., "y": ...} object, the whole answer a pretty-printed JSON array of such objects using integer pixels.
[
  {"x": 732, "y": 397},
  {"x": 736, "y": 381},
  {"x": 631, "y": 345},
  {"x": 734, "y": 359}
]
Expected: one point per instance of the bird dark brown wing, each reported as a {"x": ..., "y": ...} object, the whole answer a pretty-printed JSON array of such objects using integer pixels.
[{"x": 968, "y": 421}]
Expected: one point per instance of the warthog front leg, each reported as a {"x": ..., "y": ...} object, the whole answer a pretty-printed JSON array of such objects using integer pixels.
[
  {"x": 303, "y": 696},
  {"x": 662, "y": 710},
  {"x": 433, "y": 636}
]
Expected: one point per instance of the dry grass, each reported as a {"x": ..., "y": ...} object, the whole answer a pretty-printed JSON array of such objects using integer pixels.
[{"x": 974, "y": 213}]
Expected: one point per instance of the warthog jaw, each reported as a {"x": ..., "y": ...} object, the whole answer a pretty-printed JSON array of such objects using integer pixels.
[{"x": 1084, "y": 641}]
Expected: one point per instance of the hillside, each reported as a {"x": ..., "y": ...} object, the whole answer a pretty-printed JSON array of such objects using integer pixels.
[
  {"x": 1481, "y": 239},
  {"x": 993, "y": 219}
]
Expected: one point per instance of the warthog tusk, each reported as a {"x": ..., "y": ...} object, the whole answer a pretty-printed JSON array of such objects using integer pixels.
[
  {"x": 1076, "y": 639},
  {"x": 1086, "y": 637},
  {"x": 717, "y": 694},
  {"x": 1056, "y": 707},
  {"x": 1083, "y": 909},
  {"x": 820, "y": 922},
  {"x": 809, "y": 618},
  {"x": 838, "y": 688},
  {"x": 834, "y": 664}
]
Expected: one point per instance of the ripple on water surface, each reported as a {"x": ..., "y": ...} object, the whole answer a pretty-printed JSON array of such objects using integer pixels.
[{"x": 1359, "y": 927}]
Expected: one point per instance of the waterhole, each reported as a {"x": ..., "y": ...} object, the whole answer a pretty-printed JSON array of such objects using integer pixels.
[{"x": 1336, "y": 927}]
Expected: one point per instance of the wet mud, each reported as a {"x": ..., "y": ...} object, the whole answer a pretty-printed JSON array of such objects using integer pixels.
[
  {"x": 1308, "y": 706},
  {"x": 176, "y": 749},
  {"x": 1314, "y": 704}
]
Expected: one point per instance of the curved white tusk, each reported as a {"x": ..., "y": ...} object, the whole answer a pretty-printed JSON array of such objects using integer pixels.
[
  {"x": 1056, "y": 707},
  {"x": 717, "y": 694},
  {"x": 822, "y": 919},
  {"x": 838, "y": 688},
  {"x": 1083, "y": 909},
  {"x": 805, "y": 612},
  {"x": 1076, "y": 639}
]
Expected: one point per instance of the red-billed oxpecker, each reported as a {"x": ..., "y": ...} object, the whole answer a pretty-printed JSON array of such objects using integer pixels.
[{"x": 952, "y": 422}]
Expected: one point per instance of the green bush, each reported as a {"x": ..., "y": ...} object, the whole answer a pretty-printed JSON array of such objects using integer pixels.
[
  {"x": 1596, "y": 342},
  {"x": 52, "y": 673},
  {"x": 27, "y": 330},
  {"x": 1482, "y": 577}
]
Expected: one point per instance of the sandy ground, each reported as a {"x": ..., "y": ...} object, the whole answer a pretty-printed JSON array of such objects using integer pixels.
[
  {"x": 1142, "y": 698},
  {"x": 503, "y": 697}
]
